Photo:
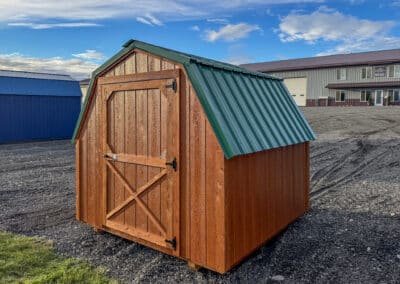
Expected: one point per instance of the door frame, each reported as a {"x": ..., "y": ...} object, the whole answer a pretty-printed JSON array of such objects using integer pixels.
[
  {"x": 376, "y": 93},
  {"x": 156, "y": 79}
]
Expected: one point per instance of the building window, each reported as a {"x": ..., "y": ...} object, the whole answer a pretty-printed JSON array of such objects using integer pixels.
[
  {"x": 366, "y": 72},
  {"x": 395, "y": 95},
  {"x": 341, "y": 74},
  {"x": 340, "y": 96},
  {"x": 365, "y": 96},
  {"x": 394, "y": 71}
]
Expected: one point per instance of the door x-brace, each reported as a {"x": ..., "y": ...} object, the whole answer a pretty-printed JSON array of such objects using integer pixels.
[{"x": 135, "y": 196}]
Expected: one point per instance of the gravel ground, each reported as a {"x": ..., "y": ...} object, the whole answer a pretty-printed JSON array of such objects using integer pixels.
[{"x": 351, "y": 233}]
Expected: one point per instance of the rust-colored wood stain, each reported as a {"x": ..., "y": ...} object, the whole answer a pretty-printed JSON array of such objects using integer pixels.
[{"x": 219, "y": 211}]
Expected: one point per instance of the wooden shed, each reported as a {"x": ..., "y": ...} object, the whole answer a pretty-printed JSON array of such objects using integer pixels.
[{"x": 196, "y": 158}]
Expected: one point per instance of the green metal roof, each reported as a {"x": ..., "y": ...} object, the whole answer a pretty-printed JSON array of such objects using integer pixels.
[{"x": 248, "y": 111}]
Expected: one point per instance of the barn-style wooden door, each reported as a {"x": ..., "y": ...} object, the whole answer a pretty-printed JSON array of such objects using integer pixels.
[{"x": 141, "y": 156}]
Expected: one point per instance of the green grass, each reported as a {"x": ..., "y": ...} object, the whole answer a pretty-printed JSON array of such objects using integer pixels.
[{"x": 33, "y": 260}]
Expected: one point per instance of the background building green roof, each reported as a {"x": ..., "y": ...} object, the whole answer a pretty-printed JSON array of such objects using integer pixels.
[{"x": 248, "y": 111}]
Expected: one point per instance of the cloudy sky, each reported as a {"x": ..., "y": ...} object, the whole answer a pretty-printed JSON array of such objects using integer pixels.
[{"x": 76, "y": 36}]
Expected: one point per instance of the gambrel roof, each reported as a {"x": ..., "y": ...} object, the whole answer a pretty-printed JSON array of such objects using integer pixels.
[{"x": 248, "y": 111}]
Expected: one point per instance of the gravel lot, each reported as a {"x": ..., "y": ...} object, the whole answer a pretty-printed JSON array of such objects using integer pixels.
[{"x": 351, "y": 233}]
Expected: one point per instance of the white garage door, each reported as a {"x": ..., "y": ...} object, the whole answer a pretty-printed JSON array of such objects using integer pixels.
[{"x": 298, "y": 89}]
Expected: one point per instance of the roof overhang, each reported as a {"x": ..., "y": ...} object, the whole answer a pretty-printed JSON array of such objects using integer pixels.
[{"x": 386, "y": 84}]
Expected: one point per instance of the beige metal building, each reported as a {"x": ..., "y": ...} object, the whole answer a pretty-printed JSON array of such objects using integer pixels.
[
  {"x": 357, "y": 79},
  {"x": 84, "y": 84}
]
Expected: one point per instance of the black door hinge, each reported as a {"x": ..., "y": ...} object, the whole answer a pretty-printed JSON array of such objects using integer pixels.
[
  {"x": 173, "y": 164},
  {"x": 172, "y": 242},
  {"x": 173, "y": 86}
]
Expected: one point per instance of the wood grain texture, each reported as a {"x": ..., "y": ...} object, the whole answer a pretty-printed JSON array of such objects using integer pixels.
[
  {"x": 77, "y": 181},
  {"x": 262, "y": 197},
  {"x": 130, "y": 148},
  {"x": 197, "y": 182},
  {"x": 219, "y": 210}
]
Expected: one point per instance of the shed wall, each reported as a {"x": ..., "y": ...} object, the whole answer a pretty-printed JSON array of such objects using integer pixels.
[
  {"x": 201, "y": 169},
  {"x": 265, "y": 192},
  {"x": 25, "y": 118}
]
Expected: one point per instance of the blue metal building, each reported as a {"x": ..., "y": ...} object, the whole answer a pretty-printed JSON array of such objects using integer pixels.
[{"x": 37, "y": 106}]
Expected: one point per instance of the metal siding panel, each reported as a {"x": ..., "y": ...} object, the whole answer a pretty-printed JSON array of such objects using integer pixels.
[
  {"x": 213, "y": 83},
  {"x": 269, "y": 113},
  {"x": 244, "y": 107},
  {"x": 38, "y": 87},
  {"x": 28, "y": 118},
  {"x": 250, "y": 126},
  {"x": 294, "y": 118}
]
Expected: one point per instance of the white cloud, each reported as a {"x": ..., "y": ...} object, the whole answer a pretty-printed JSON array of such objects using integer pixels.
[
  {"x": 330, "y": 25},
  {"x": 51, "y": 25},
  {"x": 39, "y": 11},
  {"x": 378, "y": 43},
  {"x": 143, "y": 21},
  {"x": 350, "y": 33},
  {"x": 90, "y": 54},
  {"x": 149, "y": 20},
  {"x": 195, "y": 28},
  {"x": 77, "y": 68},
  {"x": 217, "y": 20},
  {"x": 230, "y": 32}
]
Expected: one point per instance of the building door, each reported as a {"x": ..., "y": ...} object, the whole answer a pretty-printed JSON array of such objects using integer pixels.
[
  {"x": 297, "y": 87},
  {"x": 379, "y": 98},
  {"x": 140, "y": 132}
]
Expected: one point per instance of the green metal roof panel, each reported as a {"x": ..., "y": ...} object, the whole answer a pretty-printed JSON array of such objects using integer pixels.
[{"x": 248, "y": 111}]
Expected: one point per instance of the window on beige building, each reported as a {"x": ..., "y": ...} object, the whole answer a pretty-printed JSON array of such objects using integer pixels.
[
  {"x": 366, "y": 72},
  {"x": 394, "y": 71},
  {"x": 365, "y": 95},
  {"x": 341, "y": 74},
  {"x": 395, "y": 95}
]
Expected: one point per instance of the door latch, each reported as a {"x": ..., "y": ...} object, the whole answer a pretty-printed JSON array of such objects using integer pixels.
[
  {"x": 173, "y": 164},
  {"x": 113, "y": 157},
  {"x": 172, "y": 242},
  {"x": 173, "y": 86}
]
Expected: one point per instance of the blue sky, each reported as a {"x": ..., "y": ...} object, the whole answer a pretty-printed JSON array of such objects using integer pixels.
[{"x": 76, "y": 36}]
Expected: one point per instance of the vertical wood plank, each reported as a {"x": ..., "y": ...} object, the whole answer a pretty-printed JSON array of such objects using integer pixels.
[
  {"x": 77, "y": 181},
  {"x": 164, "y": 194},
  {"x": 91, "y": 166},
  {"x": 141, "y": 62},
  {"x": 197, "y": 183},
  {"x": 215, "y": 206},
  {"x": 119, "y": 140},
  {"x": 306, "y": 171},
  {"x": 174, "y": 182},
  {"x": 154, "y": 124},
  {"x": 84, "y": 175},
  {"x": 130, "y": 64},
  {"x": 141, "y": 139},
  {"x": 141, "y": 146},
  {"x": 184, "y": 169},
  {"x": 99, "y": 201},
  {"x": 130, "y": 148},
  {"x": 166, "y": 65}
]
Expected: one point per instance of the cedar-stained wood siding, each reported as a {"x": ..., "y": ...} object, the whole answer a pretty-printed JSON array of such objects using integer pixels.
[
  {"x": 201, "y": 165},
  {"x": 265, "y": 192}
]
